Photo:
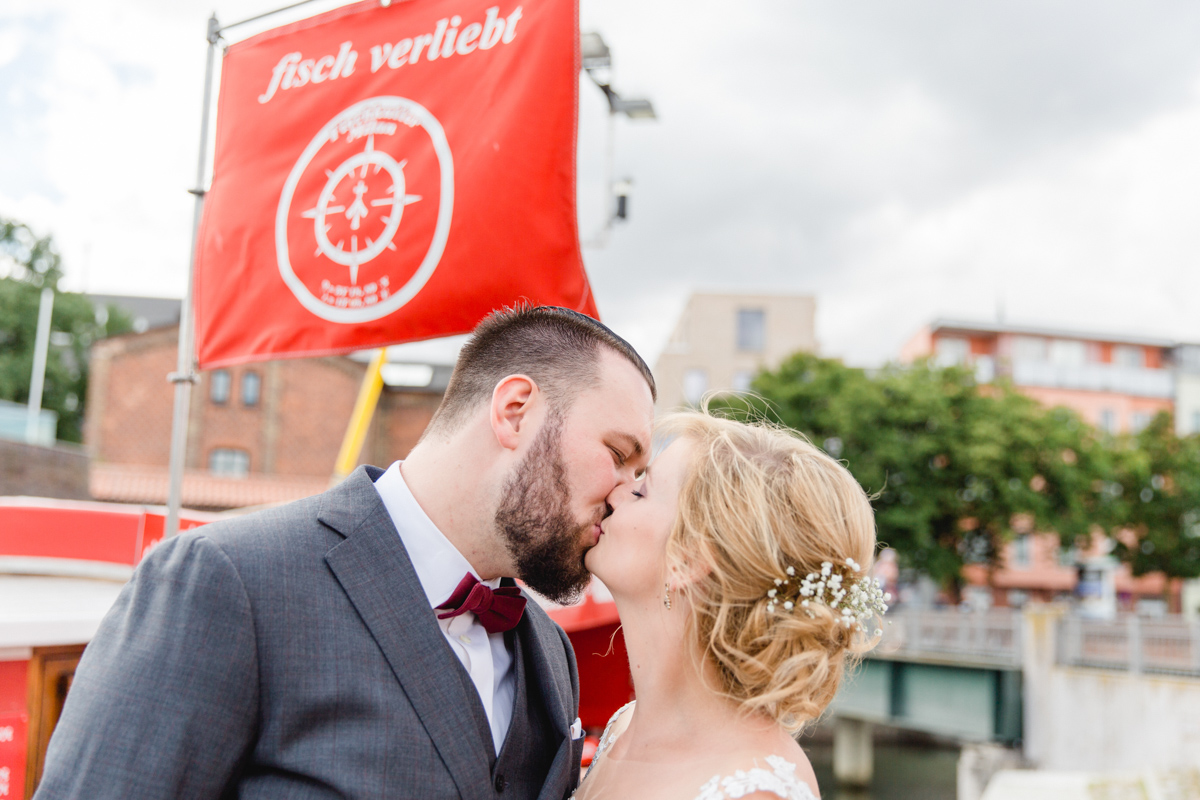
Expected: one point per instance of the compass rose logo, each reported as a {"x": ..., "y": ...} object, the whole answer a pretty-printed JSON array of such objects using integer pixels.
[{"x": 344, "y": 253}]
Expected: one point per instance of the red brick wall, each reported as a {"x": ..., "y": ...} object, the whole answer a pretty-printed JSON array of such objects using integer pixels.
[
  {"x": 402, "y": 419},
  {"x": 315, "y": 400},
  {"x": 59, "y": 471},
  {"x": 129, "y": 402}
]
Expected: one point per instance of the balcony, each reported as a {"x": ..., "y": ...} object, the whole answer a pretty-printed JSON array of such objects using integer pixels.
[{"x": 1137, "y": 381}]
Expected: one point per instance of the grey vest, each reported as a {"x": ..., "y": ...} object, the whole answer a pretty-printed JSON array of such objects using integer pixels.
[{"x": 520, "y": 770}]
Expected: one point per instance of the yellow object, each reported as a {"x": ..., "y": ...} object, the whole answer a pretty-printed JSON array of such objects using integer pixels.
[{"x": 360, "y": 420}]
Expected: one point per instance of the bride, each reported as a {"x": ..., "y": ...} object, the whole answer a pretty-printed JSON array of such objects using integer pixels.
[{"x": 734, "y": 563}]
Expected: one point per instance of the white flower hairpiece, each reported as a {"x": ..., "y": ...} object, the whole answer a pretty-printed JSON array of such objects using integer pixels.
[{"x": 858, "y": 599}]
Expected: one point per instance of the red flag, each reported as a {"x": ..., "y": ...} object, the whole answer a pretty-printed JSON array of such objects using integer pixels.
[{"x": 390, "y": 174}]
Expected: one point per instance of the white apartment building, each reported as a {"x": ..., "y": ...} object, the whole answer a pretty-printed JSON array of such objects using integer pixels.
[{"x": 1187, "y": 389}]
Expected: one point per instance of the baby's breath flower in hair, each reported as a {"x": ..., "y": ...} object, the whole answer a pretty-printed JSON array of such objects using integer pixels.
[{"x": 856, "y": 599}]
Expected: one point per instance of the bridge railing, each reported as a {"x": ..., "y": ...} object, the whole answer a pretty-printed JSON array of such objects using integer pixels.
[
  {"x": 991, "y": 638},
  {"x": 1132, "y": 643}
]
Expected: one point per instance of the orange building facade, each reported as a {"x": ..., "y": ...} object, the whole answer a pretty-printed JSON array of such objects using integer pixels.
[{"x": 1116, "y": 383}]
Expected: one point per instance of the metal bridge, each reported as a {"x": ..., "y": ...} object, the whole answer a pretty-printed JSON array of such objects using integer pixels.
[
  {"x": 966, "y": 676},
  {"x": 948, "y": 673}
]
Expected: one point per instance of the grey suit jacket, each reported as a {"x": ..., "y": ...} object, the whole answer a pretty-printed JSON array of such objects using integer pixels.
[{"x": 289, "y": 654}]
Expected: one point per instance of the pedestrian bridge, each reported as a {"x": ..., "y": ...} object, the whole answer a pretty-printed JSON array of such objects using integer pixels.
[
  {"x": 942, "y": 672},
  {"x": 960, "y": 674},
  {"x": 1044, "y": 680}
]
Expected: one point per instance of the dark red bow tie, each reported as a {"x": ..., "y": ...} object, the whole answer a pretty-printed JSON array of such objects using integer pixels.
[{"x": 498, "y": 610}]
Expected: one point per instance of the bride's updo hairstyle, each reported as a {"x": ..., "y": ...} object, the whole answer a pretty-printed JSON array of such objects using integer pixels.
[{"x": 755, "y": 501}]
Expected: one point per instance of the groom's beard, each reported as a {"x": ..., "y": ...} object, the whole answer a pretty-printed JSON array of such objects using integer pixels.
[{"x": 534, "y": 517}]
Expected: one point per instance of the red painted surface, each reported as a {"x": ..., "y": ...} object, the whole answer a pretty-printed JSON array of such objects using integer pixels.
[
  {"x": 604, "y": 680},
  {"x": 14, "y": 721},
  {"x": 605, "y": 685},
  {"x": 107, "y": 532},
  {"x": 983, "y": 345}
]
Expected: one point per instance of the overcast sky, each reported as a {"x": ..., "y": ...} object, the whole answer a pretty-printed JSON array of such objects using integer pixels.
[{"x": 899, "y": 160}]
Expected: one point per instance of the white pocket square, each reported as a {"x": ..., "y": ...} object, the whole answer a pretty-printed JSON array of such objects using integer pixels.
[{"x": 576, "y": 729}]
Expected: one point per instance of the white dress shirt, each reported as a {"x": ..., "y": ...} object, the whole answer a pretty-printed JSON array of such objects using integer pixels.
[{"x": 440, "y": 567}]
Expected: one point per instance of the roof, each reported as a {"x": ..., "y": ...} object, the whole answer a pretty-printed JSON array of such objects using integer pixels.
[
  {"x": 125, "y": 483},
  {"x": 147, "y": 312},
  {"x": 1056, "y": 333}
]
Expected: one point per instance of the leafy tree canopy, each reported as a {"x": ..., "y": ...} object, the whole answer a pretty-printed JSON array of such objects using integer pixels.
[
  {"x": 1156, "y": 488},
  {"x": 27, "y": 264},
  {"x": 957, "y": 468}
]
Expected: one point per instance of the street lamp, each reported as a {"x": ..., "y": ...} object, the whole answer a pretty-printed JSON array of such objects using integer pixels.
[{"x": 597, "y": 63}]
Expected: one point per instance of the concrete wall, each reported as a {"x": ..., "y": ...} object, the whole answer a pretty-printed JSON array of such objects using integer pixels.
[
  {"x": 1101, "y": 720},
  {"x": 28, "y": 469},
  {"x": 1187, "y": 403}
]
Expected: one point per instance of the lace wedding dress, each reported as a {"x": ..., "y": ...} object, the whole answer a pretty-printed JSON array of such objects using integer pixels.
[{"x": 780, "y": 779}]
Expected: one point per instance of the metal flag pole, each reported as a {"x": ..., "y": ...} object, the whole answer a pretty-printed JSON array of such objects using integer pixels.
[
  {"x": 37, "y": 378},
  {"x": 185, "y": 372}
]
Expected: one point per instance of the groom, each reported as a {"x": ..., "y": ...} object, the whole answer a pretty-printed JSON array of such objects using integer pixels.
[{"x": 368, "y": 642}]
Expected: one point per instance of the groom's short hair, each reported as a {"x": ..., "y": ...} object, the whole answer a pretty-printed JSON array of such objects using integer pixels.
[{"x": 557, "y": 347}]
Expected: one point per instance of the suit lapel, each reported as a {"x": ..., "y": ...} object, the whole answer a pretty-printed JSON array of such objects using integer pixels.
[
  {"x": 548, "y": 665},
  {"x": 378, "y": 577}
]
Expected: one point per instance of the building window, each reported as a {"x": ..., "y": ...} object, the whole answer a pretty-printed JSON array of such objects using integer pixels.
[
  {"x": 1068, "y": 353},
  {"x": 751, "y": 330},
  {"x": 742, "y": 380},
  {"x": 1108, "y": 420},
  {"x": 695, "y": 384},
  {"x": 229, "y": 462},
  {"x": 1022, "y": 554},
  {"x": 1029, "y": 348},
  {"x": 985, "y": 369},
  {"x": 952, "y": 350},
  {"x": 1195, "y": 422},
  {"x": 251, "y": 386},
  {"x": 1139, "y": 421},
  {"x": 218, "y": 390},
  {"x": 1127, "y": 355}
]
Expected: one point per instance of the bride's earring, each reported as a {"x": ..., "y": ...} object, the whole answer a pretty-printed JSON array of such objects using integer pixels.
[{"x": 667, "y": 596}]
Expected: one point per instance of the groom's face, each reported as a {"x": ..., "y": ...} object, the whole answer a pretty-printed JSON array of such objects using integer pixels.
[{"x": 554, "y": 501}]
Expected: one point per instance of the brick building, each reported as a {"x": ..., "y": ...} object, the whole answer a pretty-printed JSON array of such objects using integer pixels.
[{"x": 257, "y": 433}]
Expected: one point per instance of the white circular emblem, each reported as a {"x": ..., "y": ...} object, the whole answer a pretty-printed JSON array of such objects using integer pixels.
[{"x": 338, "y": 235}]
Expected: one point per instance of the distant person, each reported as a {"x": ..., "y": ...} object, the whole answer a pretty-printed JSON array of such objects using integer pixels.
[
  {"x": 738, "y": 565},
  {"x": 369, "y": 642}
]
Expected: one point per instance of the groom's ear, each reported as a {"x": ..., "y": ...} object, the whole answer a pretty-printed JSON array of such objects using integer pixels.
[{"x": 512, "y": 401}]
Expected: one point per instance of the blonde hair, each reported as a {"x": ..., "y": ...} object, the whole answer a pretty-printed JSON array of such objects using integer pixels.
[{"x": 756, "y": 500}]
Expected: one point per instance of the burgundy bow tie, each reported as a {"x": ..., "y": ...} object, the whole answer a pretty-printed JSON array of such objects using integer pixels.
[{"x": 498, "y": 610}]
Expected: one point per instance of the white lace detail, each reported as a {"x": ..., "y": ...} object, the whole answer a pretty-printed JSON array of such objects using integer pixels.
[
  {"x": 606, "y": 737},
  {"x": 780, "y": 780}
]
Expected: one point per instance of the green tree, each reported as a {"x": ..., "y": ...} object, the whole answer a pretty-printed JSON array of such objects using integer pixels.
[
  {"x": 1157, "y": 489},
  {"x": 27, "y": 264},
  {"x": 957, "y": 469}
]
